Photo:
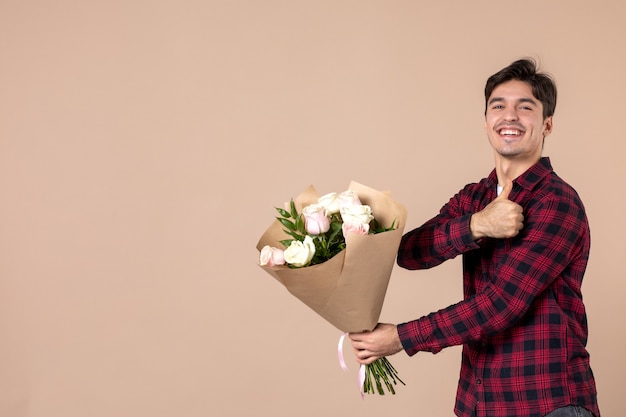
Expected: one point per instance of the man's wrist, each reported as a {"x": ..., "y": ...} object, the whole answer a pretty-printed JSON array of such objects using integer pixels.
[{"x": 474, "y": 226}]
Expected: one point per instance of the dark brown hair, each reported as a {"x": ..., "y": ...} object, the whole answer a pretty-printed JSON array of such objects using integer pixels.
[{"x": 526, "y": 70}]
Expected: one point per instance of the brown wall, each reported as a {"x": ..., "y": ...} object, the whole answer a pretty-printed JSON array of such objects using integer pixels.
[{"x": 143, "y": 145}]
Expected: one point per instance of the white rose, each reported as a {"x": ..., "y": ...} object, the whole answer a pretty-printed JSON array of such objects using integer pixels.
[
  {"x": 330, "y": 202},
  {"x": 349, "y": 198},
  {"x": 357, "y": 214},
  {"x": 299, "y": 253},
  {"x": 333, "y": 202}
]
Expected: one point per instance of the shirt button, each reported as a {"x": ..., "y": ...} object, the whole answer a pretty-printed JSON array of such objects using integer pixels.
[{"x": 478, "y": 381}]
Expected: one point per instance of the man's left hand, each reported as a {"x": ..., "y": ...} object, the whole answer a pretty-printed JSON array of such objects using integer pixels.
[{"x": 380, "y": 342}]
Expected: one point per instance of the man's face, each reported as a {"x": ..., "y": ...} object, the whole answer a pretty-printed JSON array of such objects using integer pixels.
[{"x": 514, "y": 122}]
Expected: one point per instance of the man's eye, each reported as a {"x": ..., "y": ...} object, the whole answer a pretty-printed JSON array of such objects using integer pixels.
[{"x": 498, "y": 106}]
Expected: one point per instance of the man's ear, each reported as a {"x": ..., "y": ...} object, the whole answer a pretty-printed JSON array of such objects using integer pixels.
[{"x": 547, "y": 126}]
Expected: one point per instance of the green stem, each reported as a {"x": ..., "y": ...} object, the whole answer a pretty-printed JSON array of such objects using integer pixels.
[{"x": 381, "y": 371}]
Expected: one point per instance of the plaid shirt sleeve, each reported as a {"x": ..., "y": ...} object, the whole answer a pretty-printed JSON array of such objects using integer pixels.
[
  {"x": 553, "y": 231},
  {"x": 441, "y": 238}
]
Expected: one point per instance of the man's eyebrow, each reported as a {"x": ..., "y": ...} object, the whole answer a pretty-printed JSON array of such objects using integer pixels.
[
  {"x": 495, "y": 99},
  {"x": 521, "y": 100},
  {"x": 527, "y": 100}
]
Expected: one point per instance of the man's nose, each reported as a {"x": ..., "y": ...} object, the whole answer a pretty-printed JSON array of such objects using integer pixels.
[{"x": 510, "y": 114}]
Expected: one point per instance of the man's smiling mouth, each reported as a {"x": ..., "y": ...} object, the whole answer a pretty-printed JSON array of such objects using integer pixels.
[{"x": 510, "y": 132}]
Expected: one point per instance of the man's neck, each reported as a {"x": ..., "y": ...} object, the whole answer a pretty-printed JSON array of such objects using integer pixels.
[{"x": 511, "y": 168}]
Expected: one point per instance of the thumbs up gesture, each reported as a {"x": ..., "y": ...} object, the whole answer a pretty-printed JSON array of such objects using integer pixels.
[{"x": 502, "y": 218}]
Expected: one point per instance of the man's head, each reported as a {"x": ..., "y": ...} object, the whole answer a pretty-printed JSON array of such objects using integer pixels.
[{"x": 525, "y": 70}]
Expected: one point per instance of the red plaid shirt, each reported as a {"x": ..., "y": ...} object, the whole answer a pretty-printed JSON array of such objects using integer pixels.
[{"x": 522, "y": 322}]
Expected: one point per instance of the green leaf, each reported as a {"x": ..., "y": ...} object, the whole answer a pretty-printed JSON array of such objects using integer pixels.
[
  {"x": 295, "y": 235},
  {"x": 286, "y": 242},
  {"x": 292, "y": 206},
  {"x": 299, "y": 225},
  {"x": 287, "y": 223},
  {"x": 377, "y": 228},
  {"x": 335, "y": 229},
  {"x": 283, "y": 212}
]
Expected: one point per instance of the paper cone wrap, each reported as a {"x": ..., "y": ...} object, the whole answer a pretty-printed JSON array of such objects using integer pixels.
[{"x": 349, "y": 289}]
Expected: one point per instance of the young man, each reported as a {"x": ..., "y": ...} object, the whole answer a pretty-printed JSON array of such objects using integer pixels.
[{"x": 524, "y": 237}]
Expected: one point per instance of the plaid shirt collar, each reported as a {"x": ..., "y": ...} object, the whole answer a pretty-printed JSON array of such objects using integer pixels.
[{"x": 529, "y": 179}]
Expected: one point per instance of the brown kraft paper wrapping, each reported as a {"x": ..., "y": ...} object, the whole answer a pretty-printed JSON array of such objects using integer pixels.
[{"x": 349, "y": 289}]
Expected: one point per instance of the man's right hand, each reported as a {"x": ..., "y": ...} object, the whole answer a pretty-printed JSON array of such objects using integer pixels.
[{"x": 502, "y": 218}]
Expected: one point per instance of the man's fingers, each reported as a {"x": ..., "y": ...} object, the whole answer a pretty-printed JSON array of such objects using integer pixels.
[
  {"x": 506, "y": 190},
  {"x": 365, "y": 357},
  {"x": 357, "y": 337},
  {"x": 358, "y": 341}
]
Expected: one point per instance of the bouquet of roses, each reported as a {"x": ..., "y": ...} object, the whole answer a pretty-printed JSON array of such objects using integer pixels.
[{"x": 335, "y": 253}]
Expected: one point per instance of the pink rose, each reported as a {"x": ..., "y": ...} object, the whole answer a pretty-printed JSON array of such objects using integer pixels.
[
  {"x": 316, "y": 220},
  {"x": 357, "y": 228},
  {"x": 271, "y": 256}
]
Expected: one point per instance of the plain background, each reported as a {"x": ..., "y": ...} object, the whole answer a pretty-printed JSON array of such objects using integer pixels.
[{"x": 144, "y": 144}]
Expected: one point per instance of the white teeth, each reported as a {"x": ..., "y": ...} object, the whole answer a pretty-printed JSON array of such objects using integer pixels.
[{"x": 509, "y": 132}]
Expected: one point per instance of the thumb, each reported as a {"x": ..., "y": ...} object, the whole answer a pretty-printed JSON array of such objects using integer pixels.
[{"x": 506, "y": 190}]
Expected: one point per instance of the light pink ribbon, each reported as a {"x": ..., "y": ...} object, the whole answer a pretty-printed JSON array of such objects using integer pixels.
[{"x": 342, "y": 363}]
